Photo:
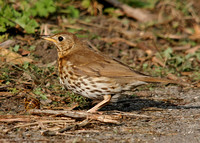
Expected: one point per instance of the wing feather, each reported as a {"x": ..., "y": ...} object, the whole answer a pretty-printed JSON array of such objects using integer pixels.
[{"x": 98, "y": 65}]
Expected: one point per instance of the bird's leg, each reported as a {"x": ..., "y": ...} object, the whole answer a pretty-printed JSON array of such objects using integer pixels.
[{"x": 105, "y": 101}]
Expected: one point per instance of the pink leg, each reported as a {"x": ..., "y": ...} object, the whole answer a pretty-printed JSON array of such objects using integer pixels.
[{"x": 105, "y": 101}]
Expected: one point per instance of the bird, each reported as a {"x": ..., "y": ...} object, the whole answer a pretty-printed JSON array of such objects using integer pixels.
[{"x": 92, "y": 74}]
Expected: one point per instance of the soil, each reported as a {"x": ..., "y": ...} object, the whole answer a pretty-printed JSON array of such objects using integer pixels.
[{"x": 172, "y": 116}]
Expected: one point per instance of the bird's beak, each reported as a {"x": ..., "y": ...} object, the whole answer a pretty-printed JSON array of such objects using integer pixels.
[{"x": 49, "y": 39}]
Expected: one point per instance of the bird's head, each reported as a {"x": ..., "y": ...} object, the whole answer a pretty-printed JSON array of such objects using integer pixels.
[{"x": 63, "y": 41}]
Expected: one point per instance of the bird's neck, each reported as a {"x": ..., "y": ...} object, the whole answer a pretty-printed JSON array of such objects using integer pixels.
[
  {"x": 61, "y": 64},
  {"x": 62, "y": 54}
]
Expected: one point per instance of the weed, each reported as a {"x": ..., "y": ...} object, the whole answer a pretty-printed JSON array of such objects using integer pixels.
[
  {"x": 71, "y": 12},
  {"x": 16, "y": 48},
  {"x": 14, "y": 90},
  {"x": 38, "y": 91},
  {"x": 77, "y": 98},
  {"x": 23, "y": 16}
]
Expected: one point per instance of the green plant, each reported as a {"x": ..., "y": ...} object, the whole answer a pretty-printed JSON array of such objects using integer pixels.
[
  {"x": 111, "y": 12},
  {"x": 78, "y": 98},
  {"x": 16, "y": 48},
  {"x": 24, "y": 14},
  {"x": 71, "y": 12},
  {"x": 141, "y": 3},
  {"x": 26, "y": 65},
  {"x": 38, "y": 91},
  {"x": 87, "y": 4}
]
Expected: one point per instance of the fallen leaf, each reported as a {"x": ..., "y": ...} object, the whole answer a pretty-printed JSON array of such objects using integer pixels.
[
  {"x": 186, "y": 73},
  {"x": 116, "y": 39},
  {"x": 192, "y": 50},
  {"x": 158, "y": 61},
  {"x": 31, "y": 103},
  {"x": 174, "y": 36},
  {"x": 24, "y": 52},
  {"x": 198, "y": 85},
  {"x": 149, "y": 52},
  {"x": 7, "y": 44},
  {"x": 180, "y": 48},
  {"x": 6, "y": 94},
  {"x": 172, "y": 76},
  {"x": 196, "y": 34},
  {"x": 13, "y": 57}
]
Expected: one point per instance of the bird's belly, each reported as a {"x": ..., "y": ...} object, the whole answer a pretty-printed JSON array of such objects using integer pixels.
[{"x": 93, "y": 88}]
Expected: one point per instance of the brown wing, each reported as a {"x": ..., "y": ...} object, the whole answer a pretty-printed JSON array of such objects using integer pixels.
[
  {"x": 92, "y": 63},
  {"x": 106, "y": 68}
]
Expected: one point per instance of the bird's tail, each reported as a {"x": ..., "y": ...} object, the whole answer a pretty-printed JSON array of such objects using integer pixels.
[{"x": 160, "y": 80}]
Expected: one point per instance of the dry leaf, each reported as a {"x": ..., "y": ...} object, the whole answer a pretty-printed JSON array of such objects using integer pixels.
[
  {"x": 186, "y": 73},
  {"x": 173, "y": 36},
  {"x": 158, "y": 61},
  {"x": 24, "y": 52},
  {"x": 116, "y": 39},
  {"x": 7, "y": 44},
  {"x": 197, "y": 29},
  {"x": 180, "y": 48},
  {"x": 196, "y": 34},
  {"x": 13, "y": 57},
  {"x": 6, "y": 94},
  {"x": 149, "y": 52},
  {"x": 172, "y": 76},
  {"x": 198, "y": 85},
  {"x": 192, "y": 50}
]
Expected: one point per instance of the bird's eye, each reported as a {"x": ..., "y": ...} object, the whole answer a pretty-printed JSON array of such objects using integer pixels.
[{"x": 60, "y": 38}]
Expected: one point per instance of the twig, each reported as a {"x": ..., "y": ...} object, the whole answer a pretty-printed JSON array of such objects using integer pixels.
[
  {"x": 92, "y": 46},
  {"x": 116, "y": 29},
  {"x": 138, "y": 14},
  {"x": 117, "y": 39},
  {"x": 82, "y": 124},
  {"x": 38, "y": 122},
  {"x": 78, "y": 115},
  {"x": 7, "y": 43},
  {"x": 133, "y": 115},
  {"x": 91, "y": 24},
  {"x": 71, "y": 114}
]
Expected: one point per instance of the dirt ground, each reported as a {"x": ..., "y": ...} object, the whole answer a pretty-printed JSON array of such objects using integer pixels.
[
  {"x": 154, "y": 113},
  {"x": 171, "y": 116}
]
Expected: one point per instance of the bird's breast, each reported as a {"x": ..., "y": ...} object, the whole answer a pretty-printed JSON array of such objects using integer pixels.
[{"x": 90, "y": 87}]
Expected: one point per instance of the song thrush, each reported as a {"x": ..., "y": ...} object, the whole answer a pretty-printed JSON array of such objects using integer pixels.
[{"x": 92, "y": 74}]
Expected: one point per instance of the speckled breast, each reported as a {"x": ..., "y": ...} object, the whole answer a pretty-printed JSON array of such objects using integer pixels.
[{"x": 90, "y": 87}]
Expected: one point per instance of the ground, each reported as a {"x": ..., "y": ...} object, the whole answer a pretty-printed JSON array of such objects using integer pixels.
[
  {"x": 171, "y": 116},
  {"x": 167, "y": 48}
]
